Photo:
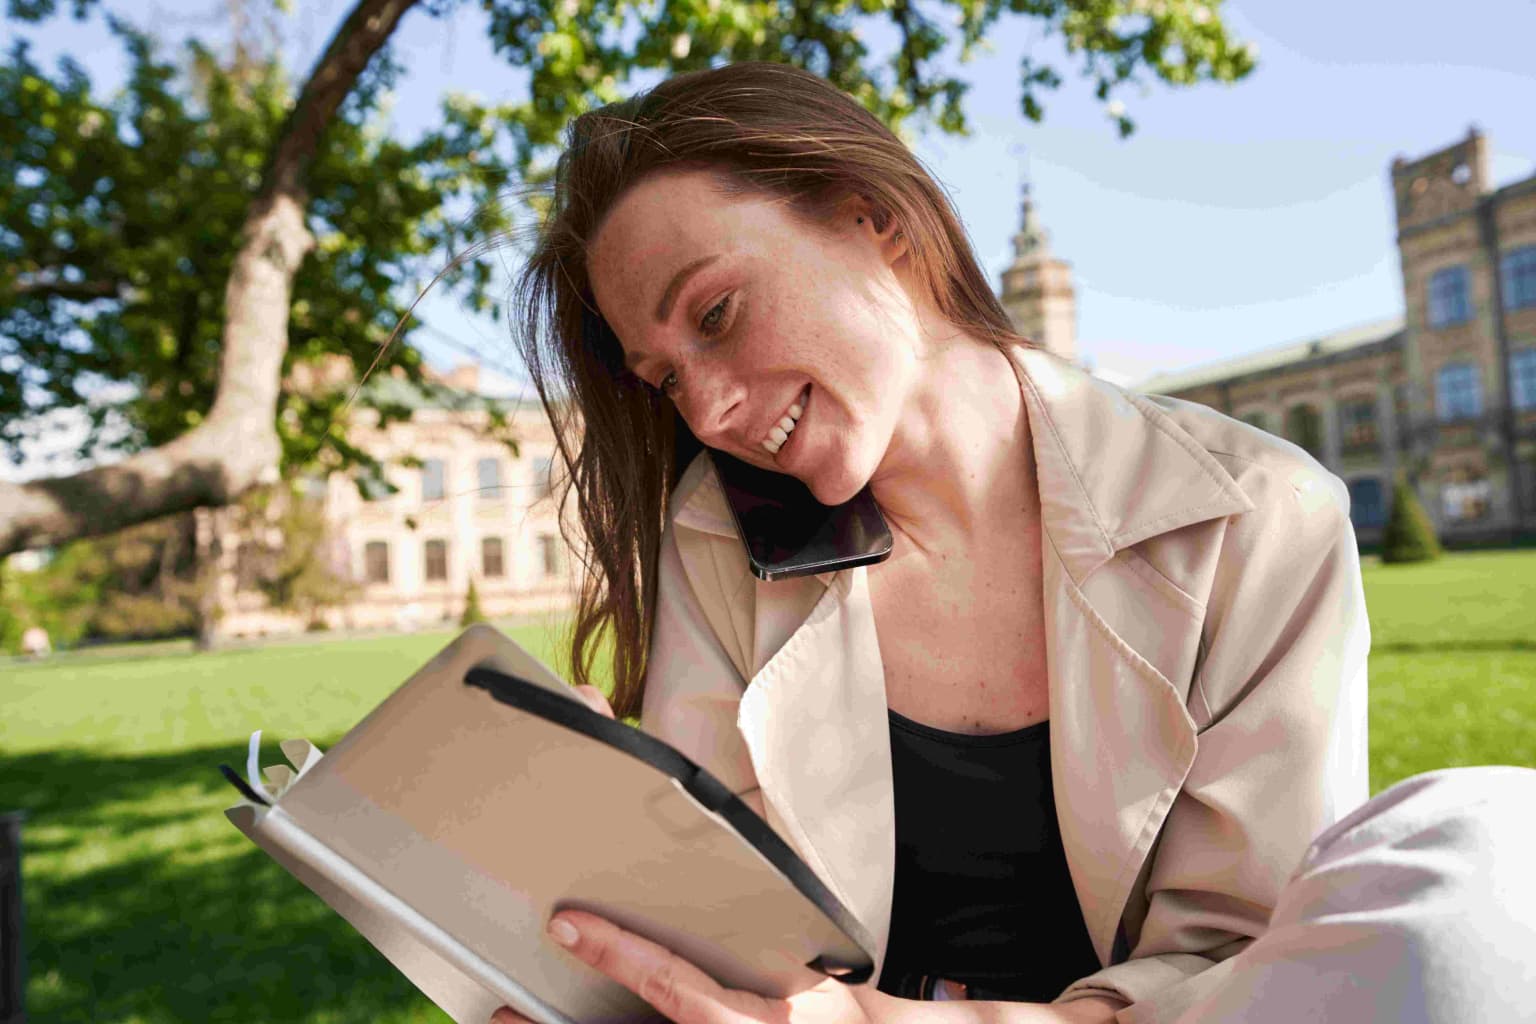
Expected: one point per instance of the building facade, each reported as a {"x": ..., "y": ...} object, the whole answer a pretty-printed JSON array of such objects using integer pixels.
[
  {"x": 464, "y": 508},
  {"x": 1447, "y": 392}
]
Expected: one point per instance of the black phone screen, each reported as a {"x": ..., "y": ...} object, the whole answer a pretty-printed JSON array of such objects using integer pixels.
[{"x": 787, "y": 532}]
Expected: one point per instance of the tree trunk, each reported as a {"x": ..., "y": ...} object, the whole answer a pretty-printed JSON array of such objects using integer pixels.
[{"x": 236, "y": 447}]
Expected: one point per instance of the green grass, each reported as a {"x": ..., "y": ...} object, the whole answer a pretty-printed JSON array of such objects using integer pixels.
[
  {"x": 1472, "y": 600},
  {"x": 144, "y": 905}
]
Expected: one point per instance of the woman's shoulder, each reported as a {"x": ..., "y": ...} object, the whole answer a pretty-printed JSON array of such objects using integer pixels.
[{"x": 1276, "y": 474}]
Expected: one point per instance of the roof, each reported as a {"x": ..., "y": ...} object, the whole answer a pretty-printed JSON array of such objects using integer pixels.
[
  {"x": 387, "y": 390},
  {"x": 1272, "y": 358}
]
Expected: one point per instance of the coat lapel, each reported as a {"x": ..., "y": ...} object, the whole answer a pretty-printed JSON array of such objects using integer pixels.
[{"x": 1121, "y": 640}]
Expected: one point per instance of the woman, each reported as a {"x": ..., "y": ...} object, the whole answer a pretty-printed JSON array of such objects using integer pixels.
[{"x": 1063, "y": 750}]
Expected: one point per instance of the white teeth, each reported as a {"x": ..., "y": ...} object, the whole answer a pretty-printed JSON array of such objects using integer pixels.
[{"x": 779, "y": 433}]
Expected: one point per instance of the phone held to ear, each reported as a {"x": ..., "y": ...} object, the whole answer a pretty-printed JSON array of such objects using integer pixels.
[{"x": 788, "y": 533}]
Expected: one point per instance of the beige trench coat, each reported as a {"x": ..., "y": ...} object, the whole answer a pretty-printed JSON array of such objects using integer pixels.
[{"x": 1206, "y": 641}]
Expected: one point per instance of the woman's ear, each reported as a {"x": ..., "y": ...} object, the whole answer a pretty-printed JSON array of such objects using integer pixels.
[{"x": 879, "y": 226}]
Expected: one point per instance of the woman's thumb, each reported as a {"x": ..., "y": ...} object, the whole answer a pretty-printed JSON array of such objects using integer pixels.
[{"x": 595, "y": 699}]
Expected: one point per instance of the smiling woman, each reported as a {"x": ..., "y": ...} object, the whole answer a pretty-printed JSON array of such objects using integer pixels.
[
  {"x": 724, "y": 225},
  {"x": 1074, "y": 739}
]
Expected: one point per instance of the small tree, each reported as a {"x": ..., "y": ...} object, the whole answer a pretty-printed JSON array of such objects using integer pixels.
[
  {"x": 472, "y": 613},
  {"x": 301, "y": 569},
  {"x": 1409, "y": 535}
]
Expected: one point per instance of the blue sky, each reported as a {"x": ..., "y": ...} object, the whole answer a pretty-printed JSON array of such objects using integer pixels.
[{"x": 1235, "y": 219}]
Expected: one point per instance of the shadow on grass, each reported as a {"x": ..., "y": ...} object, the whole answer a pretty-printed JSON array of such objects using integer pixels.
[{"x": 144, "y": 904}]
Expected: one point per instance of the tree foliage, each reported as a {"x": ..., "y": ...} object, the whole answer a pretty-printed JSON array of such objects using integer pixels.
[
  {"x": 472, "y": 610},
  {"x": 123, "y": 215},
  {"x": 1409, "y": 536},
  {"x": 136, "y": 584},
  {"x": 123, "y": 218}
]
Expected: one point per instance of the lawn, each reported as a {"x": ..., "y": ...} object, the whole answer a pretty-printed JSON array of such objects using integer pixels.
[{"x": 144, "y": 905}]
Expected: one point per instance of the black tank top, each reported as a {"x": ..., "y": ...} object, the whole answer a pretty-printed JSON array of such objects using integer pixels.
[{"x": 982, "y": 893}]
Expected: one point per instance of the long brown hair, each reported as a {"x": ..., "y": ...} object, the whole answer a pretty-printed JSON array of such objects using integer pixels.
[{"x": 764, "y": 129}]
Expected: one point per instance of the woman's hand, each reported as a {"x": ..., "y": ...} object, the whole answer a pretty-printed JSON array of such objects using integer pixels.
[
  {"x": 679, "y": 990},
  {"x": 594, "y": 699}
]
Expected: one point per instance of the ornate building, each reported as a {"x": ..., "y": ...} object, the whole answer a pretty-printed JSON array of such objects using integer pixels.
[
  {"x": 1037, "y": 288},
  {"x": 465, "y": 508},
  {"x": 1447, "y": 392}
]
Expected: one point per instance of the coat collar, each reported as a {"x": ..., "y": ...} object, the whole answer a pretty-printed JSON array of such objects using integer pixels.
[
  {"x": 1106, "y": 480},
  {"x": 1114, "y": 468}
]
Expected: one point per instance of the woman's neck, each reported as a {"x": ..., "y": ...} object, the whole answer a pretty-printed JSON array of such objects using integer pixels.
[{"x": 961, "y": 463}]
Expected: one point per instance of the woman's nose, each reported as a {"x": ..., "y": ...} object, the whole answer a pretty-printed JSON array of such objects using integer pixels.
[{"x": 712, "y": 400}]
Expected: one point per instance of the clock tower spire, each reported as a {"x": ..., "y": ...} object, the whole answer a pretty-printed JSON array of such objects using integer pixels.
[{"x": 1037, "y": 288}]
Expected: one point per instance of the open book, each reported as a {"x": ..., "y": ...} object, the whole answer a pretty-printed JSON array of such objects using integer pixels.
[{"x": 483, "y": 795}]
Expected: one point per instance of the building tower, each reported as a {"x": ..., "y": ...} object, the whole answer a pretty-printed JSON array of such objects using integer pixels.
[
  {"x": 1469, "y": 318},
  {"x": 1037, "y": 288}
]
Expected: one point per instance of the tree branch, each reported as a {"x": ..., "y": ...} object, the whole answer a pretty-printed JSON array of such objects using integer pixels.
[
  {"x": 77, "y": 291},
  {"x": 236, "y": 446}
]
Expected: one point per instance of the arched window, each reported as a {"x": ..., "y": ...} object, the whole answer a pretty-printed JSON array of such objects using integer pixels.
[
  {"x": 1304, "y": 426},
  {"x": 1519, "y": 271},
  {"x": 376, "y": 561},
  {"x": 488, "y": 479},
  {"x": 1458, "y": 392},
  {"x": 433, "y": 473},
  {"x": 436, "y": 560},
  {"x": 492, "y": 564},
  {"x": 1450, "y": 297},
  {"x": 1367, "y": 506},
  {"x": 1522, "y": 378},
  {"x": 1357, "y": 423}
]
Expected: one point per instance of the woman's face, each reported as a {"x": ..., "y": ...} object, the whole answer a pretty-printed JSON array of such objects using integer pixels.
[{"x": 744, "y": 314}]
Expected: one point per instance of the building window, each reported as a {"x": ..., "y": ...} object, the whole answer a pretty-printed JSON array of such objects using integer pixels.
[
  {"x": 1367, "y": 507},
  {"x": 437, "y": 560},
  {"x": 491, "y": 564},
  {"x": 1522, "y": 378},
  {"x": 543, "y": 477},
  {"x": 1450, "y": 297},
  {"x": 1519, "y": 270},
  {"x": 1255, "y": 419},
  {"x": 552, "y": 554},
  {"x": 1357, "y": 422},
  {"x": 1303, "y": 426},
  {"x": 1466, "y": 500},
  {"x": 433, "y": 473},
  {"x": 376, "y": 561},
  {"x": 1458, "y": 394},
  {"x": 488, "y": 473}
]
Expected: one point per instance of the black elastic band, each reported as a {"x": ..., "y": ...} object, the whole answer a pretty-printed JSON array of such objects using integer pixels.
[{"x": 243, "y": 786}]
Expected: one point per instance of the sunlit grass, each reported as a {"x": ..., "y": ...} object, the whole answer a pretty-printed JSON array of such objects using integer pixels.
[{"x": 145, "y": 905}]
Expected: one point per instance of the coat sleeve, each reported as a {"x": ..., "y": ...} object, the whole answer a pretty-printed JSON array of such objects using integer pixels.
[
  {"x": 692, "y": 688},
  {"x": 1279, "y": 701}
]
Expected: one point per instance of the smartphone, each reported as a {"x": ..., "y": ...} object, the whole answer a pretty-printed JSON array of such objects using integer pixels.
[{"x": 788, "y": 533}]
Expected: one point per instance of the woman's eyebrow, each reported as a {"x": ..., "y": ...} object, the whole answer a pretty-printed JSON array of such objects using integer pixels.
[{"x": 668, "y": 297}]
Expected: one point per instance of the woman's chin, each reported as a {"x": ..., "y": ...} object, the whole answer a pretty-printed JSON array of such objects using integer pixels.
[{"x": 836, "y": 490}]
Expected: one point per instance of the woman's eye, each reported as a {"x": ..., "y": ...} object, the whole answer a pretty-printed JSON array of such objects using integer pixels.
[{"x": 715, "y": 318}]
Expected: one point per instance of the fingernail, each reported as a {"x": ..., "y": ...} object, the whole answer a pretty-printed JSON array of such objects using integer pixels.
[{"x": 563, "y": 932}]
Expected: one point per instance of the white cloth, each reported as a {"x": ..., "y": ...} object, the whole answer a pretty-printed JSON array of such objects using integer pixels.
[{"x": 1417, "y": 908}]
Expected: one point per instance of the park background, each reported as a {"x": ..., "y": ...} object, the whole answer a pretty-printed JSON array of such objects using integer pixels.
[{"x": 1235, "y": 218}]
